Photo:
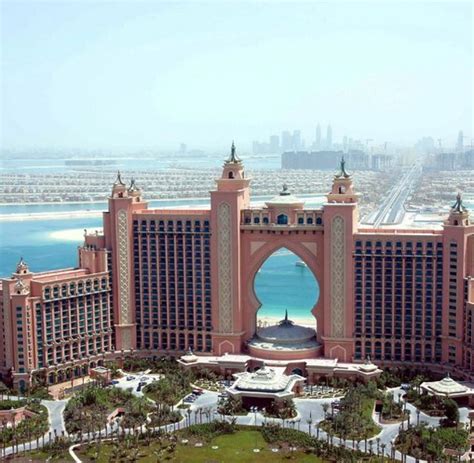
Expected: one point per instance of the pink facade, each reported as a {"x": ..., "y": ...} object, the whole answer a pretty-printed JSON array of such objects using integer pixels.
[{"x": 165, "y": 281}]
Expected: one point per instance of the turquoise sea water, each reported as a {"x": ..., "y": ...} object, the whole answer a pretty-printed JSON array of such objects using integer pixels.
[{"x": 282, "y": 285}]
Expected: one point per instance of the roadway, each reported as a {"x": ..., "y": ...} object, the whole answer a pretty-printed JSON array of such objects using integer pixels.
[{"x": 392, "y": 210}]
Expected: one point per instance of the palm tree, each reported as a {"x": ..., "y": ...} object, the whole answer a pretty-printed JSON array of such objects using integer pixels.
[
  {"x": 310, "y": 422},
  {"x": 325, "y": 408}
]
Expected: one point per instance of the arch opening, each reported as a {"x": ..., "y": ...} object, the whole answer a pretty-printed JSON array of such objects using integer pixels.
[{"x": 285, "y": 283}]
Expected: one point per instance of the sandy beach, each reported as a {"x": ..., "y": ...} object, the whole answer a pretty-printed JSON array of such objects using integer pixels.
[
  {"x": 267, "y": 321},
  {"x": 72, "y": 234},
  {"x": 49, "y": 216}
]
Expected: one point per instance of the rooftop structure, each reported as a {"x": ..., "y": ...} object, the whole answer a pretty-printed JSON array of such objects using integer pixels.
[
  {"x": 265, "y": 383},
  {"x": 449, "y": 388}
]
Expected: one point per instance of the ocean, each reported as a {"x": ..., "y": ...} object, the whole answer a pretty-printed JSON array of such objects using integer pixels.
[{"x": 52, "y": 244}]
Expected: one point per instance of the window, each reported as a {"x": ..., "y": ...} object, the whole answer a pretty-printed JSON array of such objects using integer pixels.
[{"x": 282, "y": 219}]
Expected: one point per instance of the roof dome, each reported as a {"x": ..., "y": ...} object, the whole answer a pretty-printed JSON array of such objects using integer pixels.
[
  {"x": 447, "y": 386},
  {"x": 285, "y": 198},
  {"x": 286, "y": 332}
]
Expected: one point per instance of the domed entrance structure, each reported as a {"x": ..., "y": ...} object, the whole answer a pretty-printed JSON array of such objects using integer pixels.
[{"x": 285, "y": 341}]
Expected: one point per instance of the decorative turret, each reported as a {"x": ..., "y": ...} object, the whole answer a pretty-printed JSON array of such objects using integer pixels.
[
  {"x": 22, "y": 267},
  {"x": 119, "y": 189},
  {"x": 233, "y": 159},
  {"x": 133, "y": 190},
  {"x": 343, "y": 172},
  {"x": 458, "y": 215},
  {"x": 233, "y": 166},
  {"x": 342, "y": 190},
  {"x": 20, "y": 288}
]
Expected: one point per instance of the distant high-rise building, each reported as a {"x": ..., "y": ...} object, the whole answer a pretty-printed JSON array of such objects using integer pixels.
[
  {"x": 329, "y": 138},
  {"x": 255, "y": 147},
  {"x": 274, "y": 143},
  {"x": 425, "y": 145},
  {"x": 182, "y": 148},
  {"x": 317, "y": 142},
  {"x": 345, "y": 144},
  {"x": 286, "y": 141},
  {"x": 297, "y": 140},
  {"x": 460, "y": 143}
]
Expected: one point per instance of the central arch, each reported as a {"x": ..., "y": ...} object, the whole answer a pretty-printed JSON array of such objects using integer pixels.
[
  {"x": 257, "y": 249},
  {"x": 285, "y": 283}
]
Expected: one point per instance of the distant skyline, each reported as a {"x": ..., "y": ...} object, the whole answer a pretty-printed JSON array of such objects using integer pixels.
[{"x": 139, "y": 74}]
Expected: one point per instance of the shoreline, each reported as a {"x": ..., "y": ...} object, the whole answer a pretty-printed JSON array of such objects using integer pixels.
[
  {"x": 181, "y": 198},
  {"x": 309, "y": 322},
  {"x": 88, "y": 213}
]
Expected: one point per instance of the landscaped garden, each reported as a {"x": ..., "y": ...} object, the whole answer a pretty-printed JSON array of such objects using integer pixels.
[
  {"x": 231, "y": 406},
  {"x": 222, "y": 442},
  {"x": 171, "y": 388},
  {"x": 392, "y": 410},
  {"x": 430, "y": 404},
  {"x": 428, "y": 443},
  {"x": 352, "y": 418},
  {"x": 30, "y": 428},
  {"x": 89, "y": 409}
]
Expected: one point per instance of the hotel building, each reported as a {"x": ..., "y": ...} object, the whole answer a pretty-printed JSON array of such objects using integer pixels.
[{"x": 167, "y": 281}]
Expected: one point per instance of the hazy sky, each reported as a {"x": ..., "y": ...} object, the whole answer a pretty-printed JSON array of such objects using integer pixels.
[{"x": 156, "y": 74}]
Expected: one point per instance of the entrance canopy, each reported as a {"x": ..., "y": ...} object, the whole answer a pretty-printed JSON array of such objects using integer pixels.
[
  {"x": 265, "y": 382},
  {"x": 447, "y": 387}
]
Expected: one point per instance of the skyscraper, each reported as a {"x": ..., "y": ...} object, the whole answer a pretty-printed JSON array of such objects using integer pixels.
[
  {"x": 329, "y": 138},
  {"x": 460, "y": 143},
  {"x": 297, "y": 140},
  {"x": 318, "y": 137},
  {"x": 274, "y": 144},
  {"x": 286, "y": 141}
]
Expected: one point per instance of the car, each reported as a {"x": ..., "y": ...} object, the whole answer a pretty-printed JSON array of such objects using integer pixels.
[
  {"x": 405, "y": 387},
  {"x": 144, "y": 378},
  {"x": 198, "y": 391},
  {"x": 130, "y": 378},
  {"x": 114, "y": 381}
]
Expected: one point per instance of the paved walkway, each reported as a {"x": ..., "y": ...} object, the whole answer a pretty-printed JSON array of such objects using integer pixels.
[{"x": 56, "y": 426}]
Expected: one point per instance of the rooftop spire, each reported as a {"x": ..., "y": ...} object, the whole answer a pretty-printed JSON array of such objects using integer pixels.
[
  {"x": 343, "y": 172},
  {"x": 233, "y": 157},
  {"x": 286, "y": 321},
  {"x": 458, "y": 206},
  {"x": 22, "y": 266},
  {"x": 118, "y": 180},
  {"x": 133, "y": 186}
]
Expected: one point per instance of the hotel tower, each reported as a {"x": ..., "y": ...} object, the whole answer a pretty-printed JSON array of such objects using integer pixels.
[{"x": 167, "y": 282}]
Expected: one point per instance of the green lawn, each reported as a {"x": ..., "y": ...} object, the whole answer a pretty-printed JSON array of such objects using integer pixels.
[
  {"x": 41, "y": 457},
  {"x": 232, "y": 448}
]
